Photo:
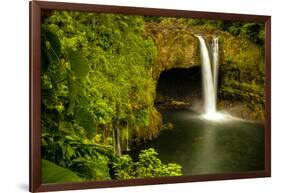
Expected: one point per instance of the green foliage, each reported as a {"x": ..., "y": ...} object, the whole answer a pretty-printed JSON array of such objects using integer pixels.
[
  {"x": 148, "y": 165},
  {"x": 79, "y": 64},
  {"x": 252, "y": 31},
  {"x": 51, "y": 48},
  {"x": 96, "y": 89},
  {"x": 87, "y": 120},
  {"x": 105, "y": 67},
  {"x": 86, "y": 158},
  {"x": 52, "y": 173}
]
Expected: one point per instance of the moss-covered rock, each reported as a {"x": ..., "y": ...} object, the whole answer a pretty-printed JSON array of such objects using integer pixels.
[
  {"x": 176, "y": 47},
  {"x": 242, "y": 74}
]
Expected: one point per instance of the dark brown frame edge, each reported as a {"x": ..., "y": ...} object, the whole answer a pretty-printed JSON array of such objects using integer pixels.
[{"x": 36, "y": 7}]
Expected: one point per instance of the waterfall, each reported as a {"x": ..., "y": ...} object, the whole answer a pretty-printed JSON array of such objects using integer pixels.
[
  {"x": 116, "y": 142},
  {"x": 215, "y": 49},
  {"x": 210, "y": 77},
  {"x": 118, "y": 146}
]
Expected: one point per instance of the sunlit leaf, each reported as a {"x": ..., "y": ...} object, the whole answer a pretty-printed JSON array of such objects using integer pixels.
[
  {"x": 52, "y": 173},
  {"x": 86, "y": 120},
  {"x": 79, "y": 64}
]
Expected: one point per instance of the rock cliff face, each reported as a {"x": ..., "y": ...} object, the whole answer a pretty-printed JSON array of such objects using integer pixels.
[
  {"x": 241, "y": 64},
  {"x": 242, "y": 78},
  {"x": 176, "y": 47}
]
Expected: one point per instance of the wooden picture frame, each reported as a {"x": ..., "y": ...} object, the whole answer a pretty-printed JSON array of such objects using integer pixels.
[{"x": 36, "y": 8}]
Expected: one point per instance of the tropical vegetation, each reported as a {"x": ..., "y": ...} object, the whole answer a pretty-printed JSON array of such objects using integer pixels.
[{"x": 98, "y": 91}]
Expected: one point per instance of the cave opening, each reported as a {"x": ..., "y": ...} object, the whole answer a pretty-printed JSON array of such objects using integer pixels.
[{"x": 179, "y": 88}]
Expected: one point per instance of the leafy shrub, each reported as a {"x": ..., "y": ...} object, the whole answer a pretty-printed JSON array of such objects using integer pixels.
[
  {"x": 84, "y": 157},
  {"x": 148, "y": 165}
]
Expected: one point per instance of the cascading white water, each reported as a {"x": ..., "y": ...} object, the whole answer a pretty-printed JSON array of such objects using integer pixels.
[
  {"x": 210, "y": 78},
  {"x": 207, "y": 78},
  {"x": 215, "y": 49}
]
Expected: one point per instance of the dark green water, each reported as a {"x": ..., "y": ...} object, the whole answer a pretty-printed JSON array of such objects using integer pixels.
[{"x": 204, "y": 147}]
